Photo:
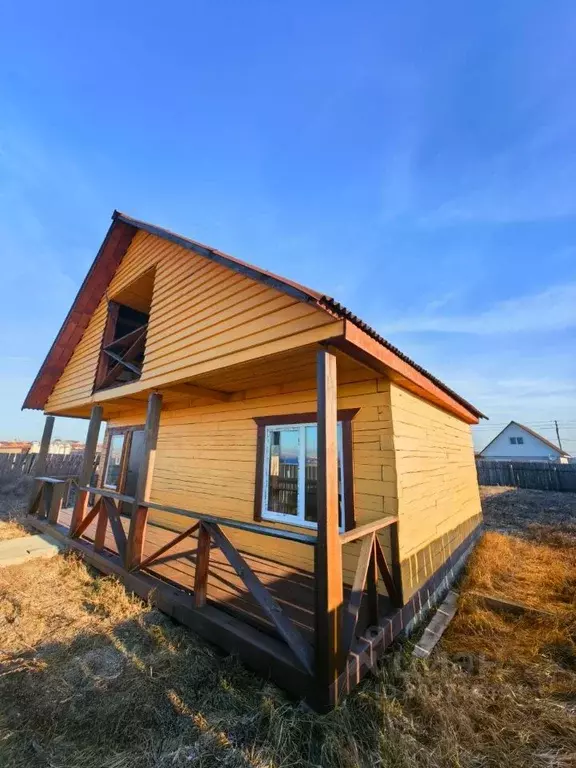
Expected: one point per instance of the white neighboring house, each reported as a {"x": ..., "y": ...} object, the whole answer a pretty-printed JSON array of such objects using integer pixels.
[{"x": 519, "y": 443}]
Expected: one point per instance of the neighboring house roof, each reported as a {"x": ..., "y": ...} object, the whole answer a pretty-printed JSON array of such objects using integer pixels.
[
  {"x": 112, "y": 250},
  {"x": 542, "y": 439}
]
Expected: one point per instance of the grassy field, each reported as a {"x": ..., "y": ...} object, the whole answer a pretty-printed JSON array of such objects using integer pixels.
[
  {"x": 13, "y": 498},
  {"x": 93, "y": 678}
]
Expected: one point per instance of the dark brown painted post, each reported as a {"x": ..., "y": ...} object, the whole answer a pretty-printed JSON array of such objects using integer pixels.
[
  {"x": 81, "y": 504},
  {"x": 372, "y": 588},
  {"x": 202, "y": 564},
  {"x": 137, "y": 532},
  {"x": 40, "y": 463},
  {"x": 328, "y": 557},
  {"x": 396, "y": 565},
  {"x": 56, "y": 502}
]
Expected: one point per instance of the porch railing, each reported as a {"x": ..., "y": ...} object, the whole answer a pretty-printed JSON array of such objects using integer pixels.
[
  {"x": 336, "y": 618},
  {"x": 372, "y": 563}
]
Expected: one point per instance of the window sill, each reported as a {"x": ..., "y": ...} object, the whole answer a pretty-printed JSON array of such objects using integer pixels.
[{"x": 272, "y": 517}]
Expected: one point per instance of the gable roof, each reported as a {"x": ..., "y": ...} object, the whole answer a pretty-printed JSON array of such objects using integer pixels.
[
  {"x": 116, "y": 243},
  {"x": 542, "y": 439}
]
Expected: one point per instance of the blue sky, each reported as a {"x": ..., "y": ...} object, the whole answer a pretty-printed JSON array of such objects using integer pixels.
[{"x": 417, "y": 161}]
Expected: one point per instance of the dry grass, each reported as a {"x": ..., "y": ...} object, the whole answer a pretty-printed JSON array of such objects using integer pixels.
[
  {"x": 12, "y": 530},
  {"x": 525, "y": 664},
  {"x": 14, "y": 493},
  {"x": 531, "y": 514},
  {"x": 92, "y": 678}
]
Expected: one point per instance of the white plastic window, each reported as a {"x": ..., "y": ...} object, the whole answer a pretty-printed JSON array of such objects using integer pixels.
[{"x": 290, "y": 474}]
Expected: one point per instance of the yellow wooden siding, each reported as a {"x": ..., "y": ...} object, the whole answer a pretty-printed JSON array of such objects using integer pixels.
[
  {"x": 438, "y": 496},
  {"x": 203, "y": 317},
  {"x": 206, "y": 462}
]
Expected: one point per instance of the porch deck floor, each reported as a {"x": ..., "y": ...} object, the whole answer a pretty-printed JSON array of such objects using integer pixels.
[{"x": 292, "y": 588}]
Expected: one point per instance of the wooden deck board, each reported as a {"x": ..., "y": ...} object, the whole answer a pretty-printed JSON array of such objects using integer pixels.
[{"x": 293, "y": 589}]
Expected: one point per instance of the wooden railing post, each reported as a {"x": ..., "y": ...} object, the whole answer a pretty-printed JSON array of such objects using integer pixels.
[
  {"x": 58, "y": 491},
  {"x": 328, "y": 553},
  {"x": 372, "y": 587},
  {"x": 81, "y": 503},
  {"x": 137, "y": 532},
  {"x": 202, "y": 565},
  {"x": 396, "y": 564},
  {"x": 40, "y": 463}
]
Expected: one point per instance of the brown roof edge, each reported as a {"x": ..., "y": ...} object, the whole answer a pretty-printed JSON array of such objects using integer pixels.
[
  {"x": 383, "y": 357},
  {"x": 262, "y": 275},
  {"x": 542, "y": 438},
  {"x": 114, "y": 247},
  {"x": 345, "y": 314},
  {"x": 298, "y": 290}
]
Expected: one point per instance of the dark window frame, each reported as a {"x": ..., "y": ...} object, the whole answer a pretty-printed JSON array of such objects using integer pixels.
[
  {"x": 104, "y": 363},
  {"x": 127, "y": 432},
  {"x": 345, "y": 416}
]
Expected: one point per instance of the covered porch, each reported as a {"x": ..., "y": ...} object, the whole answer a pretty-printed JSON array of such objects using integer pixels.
[{"x": 315, "y": 632}]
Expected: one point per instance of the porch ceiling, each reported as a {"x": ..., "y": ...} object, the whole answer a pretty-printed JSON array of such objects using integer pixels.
[
  {"x": 272, "y": 371},
  {"x": 283, "y": 368}
]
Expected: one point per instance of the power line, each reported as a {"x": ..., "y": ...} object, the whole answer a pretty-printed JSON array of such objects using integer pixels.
[
  {"x": 548, "y": 427},
  {"x": 540, "y": 424}
]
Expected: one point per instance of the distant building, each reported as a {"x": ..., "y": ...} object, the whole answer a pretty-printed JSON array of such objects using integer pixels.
[
  {"x": 60, "y": 447},
  {"x": 14, "y": 446},
  {"x": 519, "y": 443}
]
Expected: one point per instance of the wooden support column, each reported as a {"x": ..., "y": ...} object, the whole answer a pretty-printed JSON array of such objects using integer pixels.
[
  {"x": 81, "y": 504},
  {"x": 40, "y": 463},
  {"x": 202, "y": 565},
  {"x": 328, "y": 553},
  {"x": 137, "y": 532}
]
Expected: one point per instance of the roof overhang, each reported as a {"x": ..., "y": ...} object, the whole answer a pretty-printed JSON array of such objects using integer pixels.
[
  {"x": 112, "y": 250},
  {"x": 358, "y": 340},
  {"x": 385, "y": 359}
]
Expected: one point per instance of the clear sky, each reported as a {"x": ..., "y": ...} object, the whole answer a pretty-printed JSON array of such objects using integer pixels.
[{"x": 415, "y": 160}]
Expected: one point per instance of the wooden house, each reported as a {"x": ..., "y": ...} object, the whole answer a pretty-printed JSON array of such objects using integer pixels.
[{"x": 278, "y": 476}]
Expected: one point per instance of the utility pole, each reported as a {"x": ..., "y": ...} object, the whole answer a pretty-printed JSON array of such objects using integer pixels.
[{"x": 558, "y": 435}]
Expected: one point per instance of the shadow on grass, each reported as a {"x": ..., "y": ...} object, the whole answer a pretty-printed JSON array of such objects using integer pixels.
[
  {"x": 130, "y": 688},
  {"x": 149, "y": 693}
]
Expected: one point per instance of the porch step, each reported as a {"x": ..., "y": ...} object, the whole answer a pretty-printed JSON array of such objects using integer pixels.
[{"x": 24, "y": 548}]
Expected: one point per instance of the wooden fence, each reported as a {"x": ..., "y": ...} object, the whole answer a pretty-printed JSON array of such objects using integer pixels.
[
  {"x": 14, "y": 465},
  {"x": 540, "y": 475},
  {"x": 57, "y": 465}
]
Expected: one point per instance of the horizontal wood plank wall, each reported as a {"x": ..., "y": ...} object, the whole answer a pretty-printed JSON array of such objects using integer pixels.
[
  {"x": 203, "y": 317},
  {"x": 438, "y": 496},
  {"x": 206, "y": 458}
]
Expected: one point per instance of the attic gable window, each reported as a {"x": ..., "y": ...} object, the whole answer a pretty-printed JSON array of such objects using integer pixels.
[
  {"x": 124, "y": 339},
  {"x": 517, "y": 441}
]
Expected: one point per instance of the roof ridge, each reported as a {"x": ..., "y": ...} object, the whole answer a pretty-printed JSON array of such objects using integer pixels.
[
  {"x": 109, "y": 256},
  {"x": 530, "y": 431},
  {"x": 533, "y": 432}
]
